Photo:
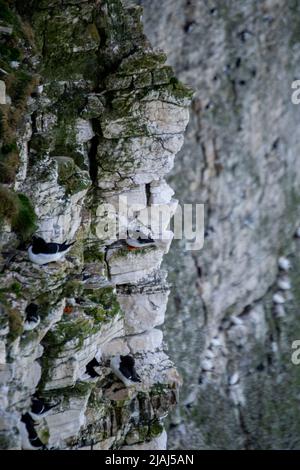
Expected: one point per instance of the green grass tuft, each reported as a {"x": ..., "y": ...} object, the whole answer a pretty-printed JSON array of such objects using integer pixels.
[
  {"x": 24, "y": 223},
  {"x": 17, "y": 209}
]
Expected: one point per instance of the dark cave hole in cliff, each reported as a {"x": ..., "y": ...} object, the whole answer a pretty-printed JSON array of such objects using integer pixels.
[
  {"x": 148, "y": 193},
  {"x": 93, "y": 158}
]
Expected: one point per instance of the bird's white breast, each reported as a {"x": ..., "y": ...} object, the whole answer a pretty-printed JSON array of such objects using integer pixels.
[
  {"x": 43, "y": 258},
  {"x": 115, "y": 367}
]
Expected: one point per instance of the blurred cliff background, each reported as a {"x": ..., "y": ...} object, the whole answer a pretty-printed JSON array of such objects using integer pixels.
[{"x": 234, "y": 308}]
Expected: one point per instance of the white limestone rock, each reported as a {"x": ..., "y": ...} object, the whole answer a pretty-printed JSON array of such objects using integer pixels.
[
  {"x": 139, "y": 160},
  {"x": 149, "y": 341},
  {"x": 84, "y": 131},
  {"x": 133, "y": 266},
  {"x": 66, "y": 422},
  {"x": 115, "y": 347},
  {"x": 158, "y": 216},
  {"x": 160, "y": 192},
  {"x": 143, "y": 311},
  {"x": 151, "y": 117}
]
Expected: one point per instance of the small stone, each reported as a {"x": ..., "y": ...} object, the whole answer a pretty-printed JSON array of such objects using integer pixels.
[
  {"x": 284, "y": 263},
  {"x": 298, "y": 232},
  {"x": 278, "y": 298}
]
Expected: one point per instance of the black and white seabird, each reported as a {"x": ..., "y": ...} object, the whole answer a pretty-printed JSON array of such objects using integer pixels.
[
  {"x": 30, "y": 439},
  {"x": 42, "y": 252},
  {"x": 90, "y": 372},
  {"x": 32, "y": 319},
  {"x": 123, "y": 368},
  {"x": 40, "y": 409},
  {"x": 139, "y": 241}
]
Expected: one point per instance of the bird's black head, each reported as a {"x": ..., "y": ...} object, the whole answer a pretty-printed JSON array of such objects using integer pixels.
[
  {"x": 127, "y": 361},
  {"x": 38, "y": 244},
  {"x": 31, "y": 309},
  {"x": 27, "y": 419}
]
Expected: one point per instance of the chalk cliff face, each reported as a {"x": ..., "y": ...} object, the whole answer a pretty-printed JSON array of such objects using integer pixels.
[
  {"x": 89, "y": 112},
  {"x": 232, "y": 307}
]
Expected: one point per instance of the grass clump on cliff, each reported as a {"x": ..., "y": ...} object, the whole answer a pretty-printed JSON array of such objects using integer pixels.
[
  {"x": 18, "y": 211},
  {"x": 19, "y": 82}
]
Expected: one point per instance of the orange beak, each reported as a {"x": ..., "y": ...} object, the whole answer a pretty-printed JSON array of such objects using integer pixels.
[
  {"x": 68, "y": 309},
  {"x": 131, "y": 248}
]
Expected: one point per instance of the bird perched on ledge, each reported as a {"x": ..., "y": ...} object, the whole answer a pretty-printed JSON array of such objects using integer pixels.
[
  {"x": 32, "y": 319},
  {"x": 90, "y": 372},
  {"x": 40, "y": 409},
  {"x": 139, "y": 242},
  {"x": 30, "y": 439},
  {"x": 123, "y": 368},
  {"x": 42, "y": 252}
]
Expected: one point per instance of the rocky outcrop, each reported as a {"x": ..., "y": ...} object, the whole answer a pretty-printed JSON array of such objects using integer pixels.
[
  {"x": 91, "y": 114},
  {"x": 241, "y": 159}
]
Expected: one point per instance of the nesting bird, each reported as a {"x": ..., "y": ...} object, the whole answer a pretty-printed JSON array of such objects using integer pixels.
[
  {"x": 123, "y": 367},
  {"x": 90, "y": 372},
  {"x": 284, "y": 283},
  {"x": 32, "y": 319},
  {"x": 284, "y": 263},
  {"x": 40, "y": 409},
  {"x": 139, "y": 242},
  {"x": 278, "y": 298},
  {"x": 30, "y": 439},
  {"x": 41, "y": 252}
]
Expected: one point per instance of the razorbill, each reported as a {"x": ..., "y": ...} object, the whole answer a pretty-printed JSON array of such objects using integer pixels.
[
  {"x": 40, "y": 409},
  {"x": 32, "y": 319},
  {"x": 42, "y": 252},
  {"x": 30, "y": 439},
  {"x": 90, "y": 372},
  {"x": 123, "y": 368},
  {"x": 139, "y": 241}
]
